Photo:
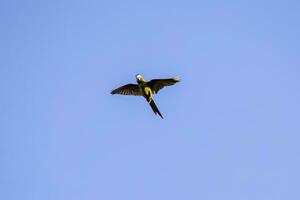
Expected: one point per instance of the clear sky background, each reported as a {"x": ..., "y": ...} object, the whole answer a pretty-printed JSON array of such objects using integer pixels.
[{"x": 231, "y": 128}]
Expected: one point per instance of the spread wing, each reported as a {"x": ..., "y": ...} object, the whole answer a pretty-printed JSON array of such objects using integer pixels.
[
  {"x": 158, "y": 84},
  {"x": 129, "y": 89}
]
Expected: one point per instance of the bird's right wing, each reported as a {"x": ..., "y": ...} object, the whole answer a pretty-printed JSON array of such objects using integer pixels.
[
  {"x": 158, "y": 84},
  {"x": 129, "y": 89}
]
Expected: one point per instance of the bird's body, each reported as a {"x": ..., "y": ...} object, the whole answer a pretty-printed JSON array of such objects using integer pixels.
[
  {"x": 146, "y": 89},
  {"x": 148, "y": 95}
]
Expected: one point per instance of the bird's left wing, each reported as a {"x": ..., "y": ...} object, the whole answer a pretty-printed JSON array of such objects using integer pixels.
[
  {"x": 158, "y": 84},
  {"x": 129, "y": 89}
]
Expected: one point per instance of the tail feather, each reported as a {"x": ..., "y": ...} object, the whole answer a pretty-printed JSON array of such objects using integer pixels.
[{"x": 155, "y": 109}]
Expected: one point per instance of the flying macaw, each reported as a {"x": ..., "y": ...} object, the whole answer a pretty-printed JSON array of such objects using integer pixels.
[{"x": 146, "y": 89}]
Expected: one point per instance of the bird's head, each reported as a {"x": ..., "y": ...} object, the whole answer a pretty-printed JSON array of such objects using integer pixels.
[{"x": 139, "y": 78}]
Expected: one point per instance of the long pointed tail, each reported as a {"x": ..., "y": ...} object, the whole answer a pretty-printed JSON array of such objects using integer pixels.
[{"x": 154, "y": 108}]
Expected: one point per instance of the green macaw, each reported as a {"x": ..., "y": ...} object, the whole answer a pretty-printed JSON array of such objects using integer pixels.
[{"x": 146, "y": 89}]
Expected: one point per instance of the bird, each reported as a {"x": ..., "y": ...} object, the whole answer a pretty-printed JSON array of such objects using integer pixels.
[{"x": 146, "y": 89}]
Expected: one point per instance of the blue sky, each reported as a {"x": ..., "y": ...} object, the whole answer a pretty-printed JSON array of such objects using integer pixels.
[{"x": 231, "y": 127}]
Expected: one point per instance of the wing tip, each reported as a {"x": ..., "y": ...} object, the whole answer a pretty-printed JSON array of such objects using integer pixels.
[{"x": 177, "y": 78}]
